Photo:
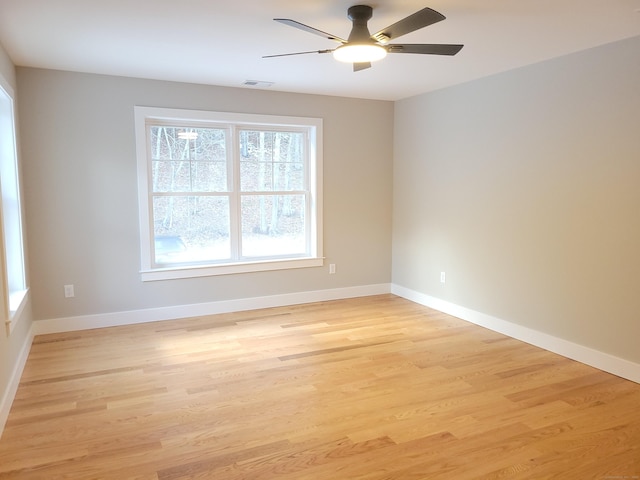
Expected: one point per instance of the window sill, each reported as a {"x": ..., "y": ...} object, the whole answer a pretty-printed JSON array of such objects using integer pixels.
[
  {"x": 227, "y": 269},
  {"x": 17, "y": 302}
]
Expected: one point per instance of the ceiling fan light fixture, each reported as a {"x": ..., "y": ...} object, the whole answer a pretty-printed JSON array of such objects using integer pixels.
[{"x": 360, "y": 53}]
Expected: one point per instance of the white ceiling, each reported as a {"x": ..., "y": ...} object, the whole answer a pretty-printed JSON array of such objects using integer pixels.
[{"x": 221, "y": 42}]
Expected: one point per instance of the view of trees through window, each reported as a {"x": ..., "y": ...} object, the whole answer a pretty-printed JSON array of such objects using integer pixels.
[{"x": 222, "y": 194}]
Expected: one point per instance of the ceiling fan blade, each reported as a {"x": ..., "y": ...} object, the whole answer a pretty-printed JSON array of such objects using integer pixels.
[
  {"x": 307, "y": 28},
  {"x": 296, "y": 53},
  {"x": 361, "y": 66},
  {"x": 413, "y": 22},
  {"x": 425, "y": 48}
]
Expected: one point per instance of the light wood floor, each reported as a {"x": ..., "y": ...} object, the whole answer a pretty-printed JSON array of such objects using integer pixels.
[{"x": 369, "y": 388}]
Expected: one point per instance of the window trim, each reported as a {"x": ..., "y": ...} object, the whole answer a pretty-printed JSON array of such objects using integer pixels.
[
  {"x": 14, "y": 299},
  {"x": 143, "y": 115}
]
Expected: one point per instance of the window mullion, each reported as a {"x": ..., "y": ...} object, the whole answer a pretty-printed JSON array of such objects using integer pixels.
[{"x": 234, "y": 197}]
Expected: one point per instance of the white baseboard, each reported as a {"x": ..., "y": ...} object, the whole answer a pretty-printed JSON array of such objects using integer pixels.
[
  {"x": 14, "y": 380},
  {"x": 84, "y": 322},
  {"x": 595, "y": 358}
]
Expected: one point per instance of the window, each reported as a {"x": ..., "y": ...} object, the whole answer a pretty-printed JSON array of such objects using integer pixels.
[
  {"x": 14, "y": 267},
  {"x": 227, "y": 193}
]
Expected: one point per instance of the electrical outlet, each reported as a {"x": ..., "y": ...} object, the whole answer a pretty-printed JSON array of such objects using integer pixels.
[
  {"x": 442, "y": 277},
  {"x": 68, "y": 291}
]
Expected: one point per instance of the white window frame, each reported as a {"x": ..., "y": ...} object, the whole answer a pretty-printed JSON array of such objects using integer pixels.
[
  {"x": 14, "y": 277},
  {"x": 145, "y": 116}
]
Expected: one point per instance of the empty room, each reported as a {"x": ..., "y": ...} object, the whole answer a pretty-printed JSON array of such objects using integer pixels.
[{"x": 320, "y": 240}]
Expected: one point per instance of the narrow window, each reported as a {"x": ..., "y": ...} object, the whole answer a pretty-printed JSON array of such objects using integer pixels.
[{"x": 12, "y": 239}]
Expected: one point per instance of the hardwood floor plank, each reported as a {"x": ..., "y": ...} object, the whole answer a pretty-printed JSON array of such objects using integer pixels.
[{"x": 204, "y": 468}]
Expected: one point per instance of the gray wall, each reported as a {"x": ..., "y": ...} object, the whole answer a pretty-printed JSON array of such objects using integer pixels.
[
  {"x": 524, "y": 188},
  {"x": 10, "y": 346},
  {"x": 81, "y": 194}
]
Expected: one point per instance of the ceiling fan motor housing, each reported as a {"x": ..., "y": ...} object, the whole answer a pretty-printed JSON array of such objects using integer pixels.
[{"x": 360, "y": 15}]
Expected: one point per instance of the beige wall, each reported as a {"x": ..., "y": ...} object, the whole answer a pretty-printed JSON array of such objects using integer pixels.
[
  {"x": 11, "y": 346},
  {"x": 524, "y": 188},
  {"x": 7, "y": 70},
  {"x": 81, "y": 194}
]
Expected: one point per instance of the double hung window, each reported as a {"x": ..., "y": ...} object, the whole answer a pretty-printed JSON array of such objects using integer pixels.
[{"x": 227, "y": 193}]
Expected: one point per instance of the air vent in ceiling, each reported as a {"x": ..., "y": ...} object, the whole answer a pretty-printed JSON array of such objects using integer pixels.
[{"x": 257, "y": 83}]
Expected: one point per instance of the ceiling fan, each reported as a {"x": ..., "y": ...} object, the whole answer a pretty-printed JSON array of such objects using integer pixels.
[{"x": 362, "y": 48}]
